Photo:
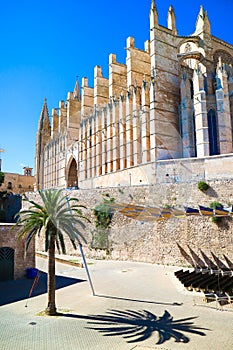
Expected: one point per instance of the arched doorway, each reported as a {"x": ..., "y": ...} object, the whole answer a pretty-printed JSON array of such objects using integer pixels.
[
  {"x": 6, "y": 263},
  {"x": 72, "y": 179}
]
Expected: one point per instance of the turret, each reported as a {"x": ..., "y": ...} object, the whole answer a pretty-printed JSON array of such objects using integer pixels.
[
  {"x": 44, "y": 122},
  {"x": 77, "y": 92},
  {"x": 73, "y": 114},
  {"x": 153, "y": 15},
  {"x": 42, "y": 137},
  {"x": 202, "y": 23},
  {"x": 171, "y": 20}
]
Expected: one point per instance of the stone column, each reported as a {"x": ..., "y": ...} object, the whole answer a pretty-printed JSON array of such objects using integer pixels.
[
  {"x": 129, "y": 130},
  {"x": 99, "y": 130},
  {"x": 136, "y": 126},
  {"x": 223, "y": 111},
  {"x": 115, "y": 136},
  {"x": 153, "y": 143},
  {"x": 93, "y": 145},
  {"x": 145, "y": 123},
  {"x": 122, "y": 132},
  {"x": 104, "y": 140},
  {"x": 187, "y": 121},
  {"x": 200, "y": 113},
  {"x": 109, "y": 124},
  {"x": 85, "y": 149}
]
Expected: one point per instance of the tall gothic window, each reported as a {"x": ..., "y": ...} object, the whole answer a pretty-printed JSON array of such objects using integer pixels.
[
  {"x": 213, "y": 136},
  {"x": 194, "y": 137},
  {"x": 191, "y": 89}
]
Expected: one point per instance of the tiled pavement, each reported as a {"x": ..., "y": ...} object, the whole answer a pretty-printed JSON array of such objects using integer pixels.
[{"x": 136, "y": 306}]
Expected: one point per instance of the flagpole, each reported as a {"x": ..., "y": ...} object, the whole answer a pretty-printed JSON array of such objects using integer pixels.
[
  {"x": 1, "y": 151},
  {"x": 83, "y": 256}
]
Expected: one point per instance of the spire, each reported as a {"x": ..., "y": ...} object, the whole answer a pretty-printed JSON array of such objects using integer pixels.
[
  {"x": 42, "y": 137},
  {"x": 45, "y": 109},
  {"x": 153, "y": 15},
  {"x": 202, "y": 23},
  {"x": 171, "y": 20},
  {"x": 44, "y": 122},
  {"x": 77, "y": 91}
]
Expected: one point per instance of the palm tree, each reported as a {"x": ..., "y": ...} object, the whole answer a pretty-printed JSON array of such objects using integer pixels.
[{"x": 58, "y": 214}]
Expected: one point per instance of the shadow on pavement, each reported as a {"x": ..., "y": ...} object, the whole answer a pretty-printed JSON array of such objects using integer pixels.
[
  {"x": 138, "y": 300},
  {"x": 12, "y": 291},
  {"x": 135, "y": 326}
]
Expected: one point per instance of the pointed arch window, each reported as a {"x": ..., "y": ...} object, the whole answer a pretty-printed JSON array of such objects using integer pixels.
[
  {"x": 213, "y": 135},
  {"x": 191, "y": 89}
]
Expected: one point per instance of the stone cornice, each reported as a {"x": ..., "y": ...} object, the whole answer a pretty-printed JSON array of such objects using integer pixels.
[{"x": 224, "y": 43}]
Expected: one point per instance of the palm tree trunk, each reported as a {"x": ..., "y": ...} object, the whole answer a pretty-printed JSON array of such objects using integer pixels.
[{"x": 51, "y": 308}]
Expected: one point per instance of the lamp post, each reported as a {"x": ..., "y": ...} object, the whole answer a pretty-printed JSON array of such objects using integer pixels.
[{"x": 130, "y": 179}]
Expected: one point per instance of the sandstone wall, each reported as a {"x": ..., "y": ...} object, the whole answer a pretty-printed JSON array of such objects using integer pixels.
[
  {"x": 17, "y": 183},
  {"x": 22, "y": 262},
  {"x": 156, "y": 242}
]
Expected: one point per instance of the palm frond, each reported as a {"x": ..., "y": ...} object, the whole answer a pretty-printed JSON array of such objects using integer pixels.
[
  {"x": 57, "y": 215},
  {"x": 29, "y": 238},
  {"x": 58, "y": 245},
  {"x": 73, "y": 244},
  {"x": 47, "y": 240},
  {"x": 62, "y": 243}
]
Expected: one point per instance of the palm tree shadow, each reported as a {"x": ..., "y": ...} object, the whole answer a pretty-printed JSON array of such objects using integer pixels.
[{"x": 138, "y": 326}]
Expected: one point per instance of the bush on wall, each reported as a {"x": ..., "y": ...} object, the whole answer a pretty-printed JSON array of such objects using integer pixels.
[
  {"x": 103, "y": 218},
  {"x": 214, "y": 205},
  {"x": 202, "y": 186},
  {"x": 2, "y": 176}
]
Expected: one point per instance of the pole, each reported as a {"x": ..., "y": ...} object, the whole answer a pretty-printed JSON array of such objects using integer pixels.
[
  {"x": 83, "y": 257},
  {"x": 1, "y": 151},
  {"x": 33, "y": 286},
  {"x": 86, "y": 268}
]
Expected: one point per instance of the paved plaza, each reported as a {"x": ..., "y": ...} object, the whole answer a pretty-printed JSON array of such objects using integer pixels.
[{"x": 136, "y": 306}]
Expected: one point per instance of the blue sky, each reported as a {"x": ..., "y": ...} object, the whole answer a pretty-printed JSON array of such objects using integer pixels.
[{"x": 45, "y": 44}]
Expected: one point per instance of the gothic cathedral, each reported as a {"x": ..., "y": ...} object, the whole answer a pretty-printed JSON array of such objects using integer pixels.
[{"x": 171, "y": 101}]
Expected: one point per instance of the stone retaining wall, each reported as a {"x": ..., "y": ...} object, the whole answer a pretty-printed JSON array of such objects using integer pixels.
[{"x": 156, "y": 242}]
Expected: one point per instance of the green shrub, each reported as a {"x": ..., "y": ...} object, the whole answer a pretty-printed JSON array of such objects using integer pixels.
[
  {"x": 202, "y": 186},
  {"x": 215, "y": 204},
  {"x": 2, "y": 176},
  {"x": 216, "y": 219},
  {"x": 103, "y": 218}
]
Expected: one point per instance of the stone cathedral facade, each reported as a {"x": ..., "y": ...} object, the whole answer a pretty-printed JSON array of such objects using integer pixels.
[{"x": 171, "y": 102}]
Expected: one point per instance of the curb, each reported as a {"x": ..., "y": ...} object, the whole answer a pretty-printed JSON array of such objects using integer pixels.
[{"x": 63, "y": 261}]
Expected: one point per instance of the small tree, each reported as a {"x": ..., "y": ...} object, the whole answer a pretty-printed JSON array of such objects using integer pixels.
[
  {"x": 214, "y": 205},
  {"x": 103, "y": 218},
  {"x": 2, "y": 177},
  {"x": 3, "y": 197},
  {"x": 57, "y": 215}
]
